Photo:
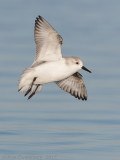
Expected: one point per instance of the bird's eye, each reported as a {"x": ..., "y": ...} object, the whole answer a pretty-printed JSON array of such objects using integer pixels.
[{"x": 77, "y": 63}]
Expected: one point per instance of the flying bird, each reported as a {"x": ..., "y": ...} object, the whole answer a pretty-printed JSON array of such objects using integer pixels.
[{"x": 50, "y": 66}]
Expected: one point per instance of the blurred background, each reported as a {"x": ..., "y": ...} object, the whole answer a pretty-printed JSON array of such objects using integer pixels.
[{"x": 53, "y": 124}]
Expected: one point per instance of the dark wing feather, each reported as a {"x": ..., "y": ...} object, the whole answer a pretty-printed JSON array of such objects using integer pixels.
[{"x": 74, "y": 85}]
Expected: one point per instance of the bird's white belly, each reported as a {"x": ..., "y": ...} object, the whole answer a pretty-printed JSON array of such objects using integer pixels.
[{"x": 52, "y": 71}]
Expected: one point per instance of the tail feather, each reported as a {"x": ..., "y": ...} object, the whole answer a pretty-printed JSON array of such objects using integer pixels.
[{"x": 26, "y": 80}]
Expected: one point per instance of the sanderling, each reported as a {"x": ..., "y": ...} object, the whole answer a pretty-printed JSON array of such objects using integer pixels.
[{"x": 50, "y": 66}]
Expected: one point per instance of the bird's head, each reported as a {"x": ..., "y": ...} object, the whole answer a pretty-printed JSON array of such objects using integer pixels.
[{"x": 78, "y": 64}]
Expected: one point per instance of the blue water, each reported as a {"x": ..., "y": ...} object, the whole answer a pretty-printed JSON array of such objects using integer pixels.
[{"x": 53, "y": 124}]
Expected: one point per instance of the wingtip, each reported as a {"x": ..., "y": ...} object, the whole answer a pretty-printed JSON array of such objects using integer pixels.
[
  {"x": 38, "y": 20},
  {"x": 39, "y": 17},
  {"x": 82, "y": 98}
]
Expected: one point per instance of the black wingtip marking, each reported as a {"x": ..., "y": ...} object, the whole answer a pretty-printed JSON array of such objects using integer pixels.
[
  {"x": 38, "y": 21},
  {"x": 41, "y": 18}
]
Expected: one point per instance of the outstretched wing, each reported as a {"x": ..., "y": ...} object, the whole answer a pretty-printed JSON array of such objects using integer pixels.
[
  {"x": 48, "y": 41},
  {"x": 74, "y": 85}
]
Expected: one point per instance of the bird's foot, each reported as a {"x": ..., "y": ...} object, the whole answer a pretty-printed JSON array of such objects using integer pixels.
[
  {"x": 33, "y": 93},
  {"x": 29, "y": 90}
]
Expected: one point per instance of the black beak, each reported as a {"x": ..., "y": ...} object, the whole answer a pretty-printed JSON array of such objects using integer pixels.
[{"x": 86, "y": 69}]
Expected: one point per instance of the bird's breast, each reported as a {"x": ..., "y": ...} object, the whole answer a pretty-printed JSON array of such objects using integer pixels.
[{"x": 52, "y": 71}]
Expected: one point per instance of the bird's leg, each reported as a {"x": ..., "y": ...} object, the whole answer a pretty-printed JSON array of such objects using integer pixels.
[
  {"x": 33, "y": 93},
  {"x": 31, "y": 86}
]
